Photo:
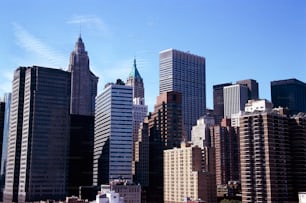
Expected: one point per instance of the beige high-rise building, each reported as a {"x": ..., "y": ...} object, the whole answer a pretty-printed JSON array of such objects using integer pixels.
[{"x": 184, "y": 178}]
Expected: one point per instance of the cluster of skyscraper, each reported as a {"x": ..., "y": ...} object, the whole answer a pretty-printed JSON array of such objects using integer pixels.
[{"x": 59, "y": 135}]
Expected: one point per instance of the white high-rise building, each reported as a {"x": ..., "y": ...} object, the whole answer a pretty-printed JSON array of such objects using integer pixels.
[
  {"x": 113, "y": 140},
  {"x": 235, "y": 98}
]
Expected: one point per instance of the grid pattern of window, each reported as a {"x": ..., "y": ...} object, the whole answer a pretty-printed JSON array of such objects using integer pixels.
[
  {"x": 113, "y": 140},
  {"x": 185, "y": 73}
]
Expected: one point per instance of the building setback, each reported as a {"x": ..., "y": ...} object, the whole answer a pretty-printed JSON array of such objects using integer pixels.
[
  {"x": 37, "y": 154},
  {"x": 185, "y": 73},
  {"x": 113, "y": 140},
  {"x": 290, "y": 94},
  {"x": 264, "y": 156}
]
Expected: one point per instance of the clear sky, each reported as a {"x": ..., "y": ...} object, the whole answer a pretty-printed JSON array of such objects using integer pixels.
[{"x": 240, "y": 39}]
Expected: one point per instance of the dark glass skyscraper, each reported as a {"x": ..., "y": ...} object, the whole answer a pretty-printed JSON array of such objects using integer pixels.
[
  {"x": 289, "y": 93},
  {"x": 38, "y": 136},
  {"x": 185, "y": 73}
]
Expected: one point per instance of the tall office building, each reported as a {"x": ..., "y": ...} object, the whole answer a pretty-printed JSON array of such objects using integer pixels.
[
  {"x": 83, "y": 93},
  {"x": 80, "y": 153},
  {"x": 38, "y": 135},
  {"x": 290, "y": 94},
  {"x": 219, "y": 101},
  {"x": 185, "y": 73},
  {"x": 264, "y": 155},
  {"x": 235, "y": 98},
  {"x": 2, "y": 140},
  {"x": 140, "y": 110},
  {"x": 10, "y": 193},
  {"x": 141, "y": 160},
  {"x": 225, "y": 139},
  {"x": 83, "y": 82},
  {"x": 252, "y": 86},
  {"x": 136, "y": 81},
  {"x": 7, "y": 101},
  {"x": 113, "y": 141},
  {"x": 165, "y": 130},
  {"x": 184, "y": 178}
]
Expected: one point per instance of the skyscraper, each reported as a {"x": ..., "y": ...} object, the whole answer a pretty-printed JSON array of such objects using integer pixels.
[
  {"x": 7, "y": 101},
  {"x": 290, "y": 94},
  {"x": 264, "y": 155},
  {"x": 136, "y": 81},
  {"x": 185, "y": 73},
  {"x": 219, "y": 101},
  {"x": 252, "y": 85},
  {"x": 235, "y": 98},
  {"x": 165, "y": 130},
  {"x": 113, "y": 141},
  {"x": 2, "y": 140},
  {"x": 39, "y": 133},
  {"x": 140, "y": 110},
  {"x": 10, "y": 193},
  {"x": 83, "y": 93},
  {"x": 83, "y": 82}
]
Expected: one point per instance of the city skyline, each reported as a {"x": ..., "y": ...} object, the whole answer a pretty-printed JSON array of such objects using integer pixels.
[{"x": 240, "y": 40}]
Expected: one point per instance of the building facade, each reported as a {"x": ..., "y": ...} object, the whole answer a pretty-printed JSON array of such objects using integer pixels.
[
  {"x": 225, "y": 139},
  {"x": 252, "y": 85},
  {"x": 219, "y": 101},
  {"x": 184, "y": 177},
  {"x": 200, "y": 134},
  {"x": 290, "y": 93},
  {"x": 7, "y": 101},
  {"x": 135, "y": 80},
  {"x": 264, "y": 156},
  {"x": 297, "y": 130},
  {"x": 235, "y": 97},
  {"x": 38, "y": 136},
  {"x": 113, "y": 141},
  {"x": 141, "y": 159},
  {"x": 83, "y": 82},
  {"x": 165, "y": 131},
  {"x": 185, "y": 73}
]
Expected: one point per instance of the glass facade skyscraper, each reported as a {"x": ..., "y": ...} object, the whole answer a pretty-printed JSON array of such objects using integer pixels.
[
  {"x": 185, "y": 73},
  {"x": 289, "y": 93},
  {"x": 38, "y": 135}
]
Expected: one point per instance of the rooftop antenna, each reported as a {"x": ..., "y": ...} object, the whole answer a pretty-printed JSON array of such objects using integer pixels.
[{"x": 80, "y": 28}]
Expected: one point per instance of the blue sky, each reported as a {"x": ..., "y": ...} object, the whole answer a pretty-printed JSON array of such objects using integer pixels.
[{"x": 240, "y": 39}]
